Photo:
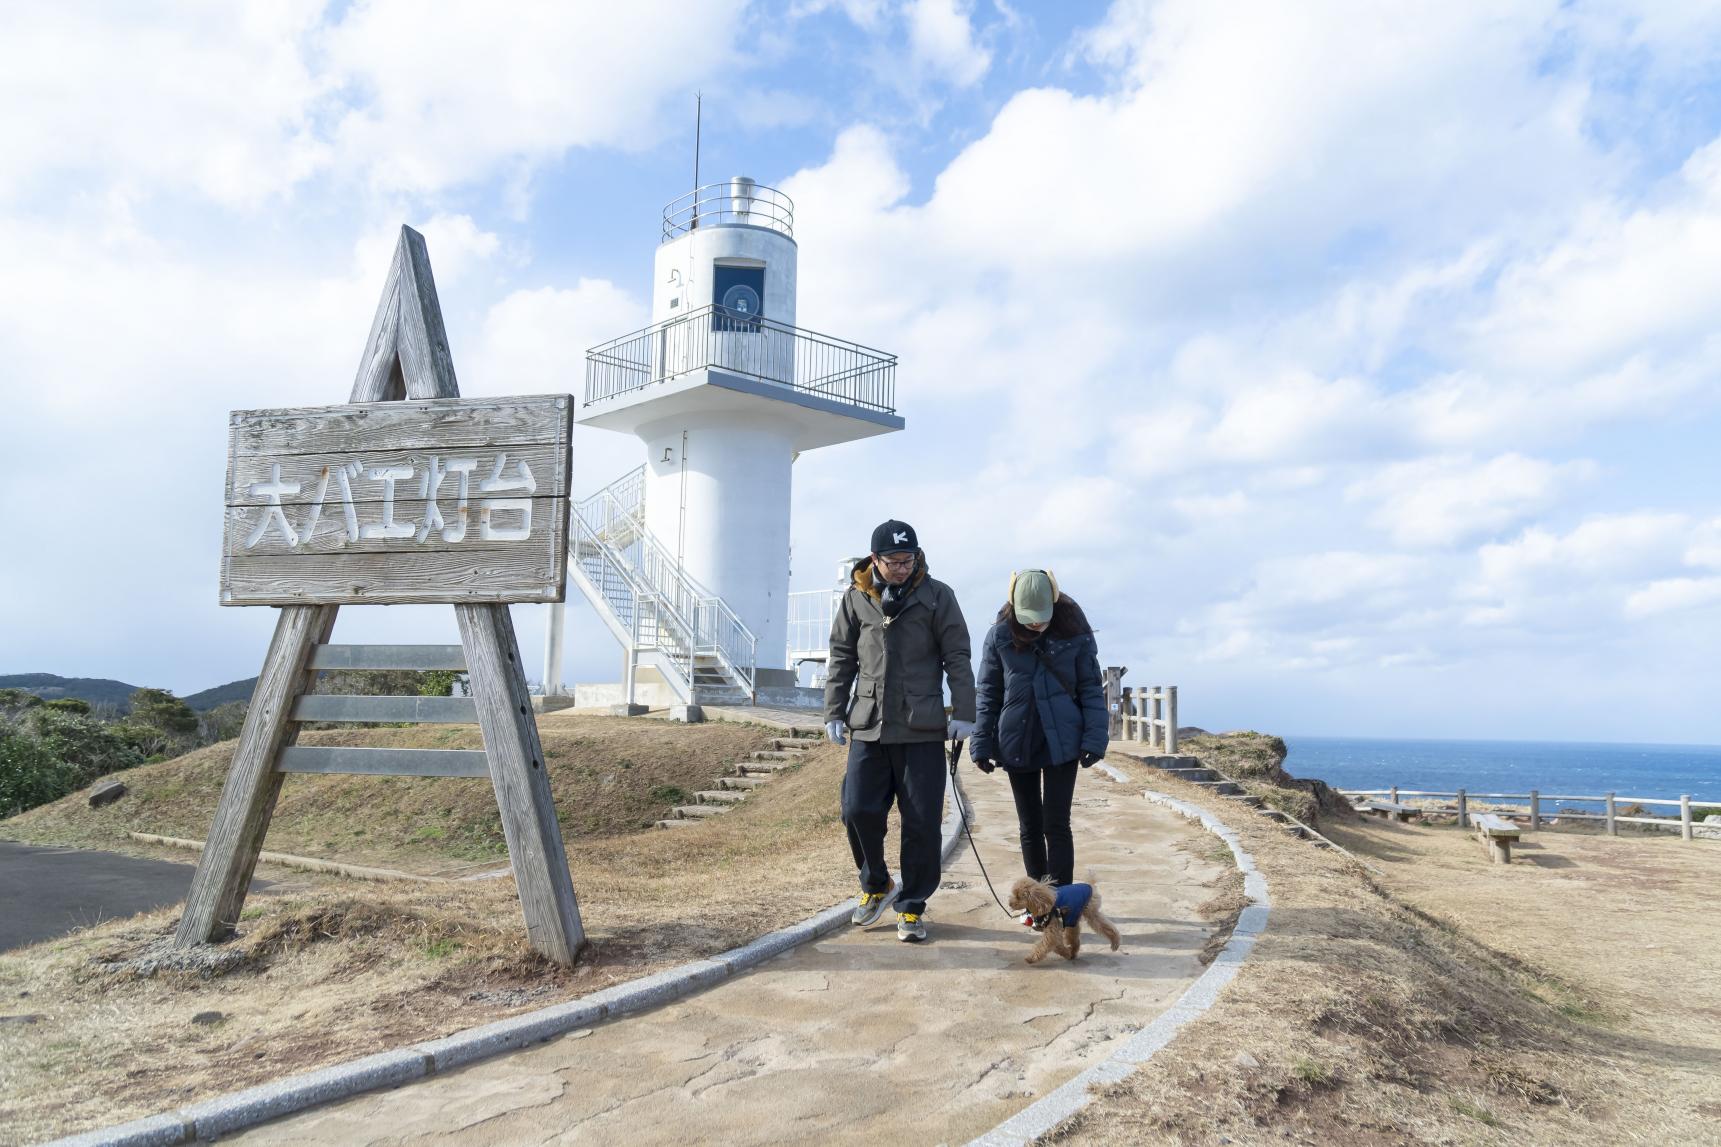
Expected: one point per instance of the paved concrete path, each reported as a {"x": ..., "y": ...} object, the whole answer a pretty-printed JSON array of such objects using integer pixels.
[
  {"x": 856, "y": 1037},
  {"x": 47, "y": 892}
]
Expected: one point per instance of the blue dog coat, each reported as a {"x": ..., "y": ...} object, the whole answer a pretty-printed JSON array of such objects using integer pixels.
[{"x": 1072, "y": 899}]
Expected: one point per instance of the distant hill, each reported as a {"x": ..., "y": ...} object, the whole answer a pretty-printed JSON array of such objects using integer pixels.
[
  {"x": 104, "y": 691},
  {"x": 221, "y": 694},
  {"x": 51, "y": 686}
]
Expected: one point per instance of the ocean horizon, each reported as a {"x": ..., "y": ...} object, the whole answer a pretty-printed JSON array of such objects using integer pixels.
[{"x": 1553, "y": 768}]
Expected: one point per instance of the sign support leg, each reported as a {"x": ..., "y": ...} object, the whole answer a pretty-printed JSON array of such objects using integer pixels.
[
  {"x": 248, "y": 798},
  {"x": 521, "y": 780}
]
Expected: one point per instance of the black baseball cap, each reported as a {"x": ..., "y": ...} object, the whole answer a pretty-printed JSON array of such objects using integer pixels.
[{"x": 894, "y": 536}]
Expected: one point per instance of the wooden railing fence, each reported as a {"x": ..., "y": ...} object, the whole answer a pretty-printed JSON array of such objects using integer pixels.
[
  {"x": 1609, "y": 801},
  {"x": 1147, "y": 715}
]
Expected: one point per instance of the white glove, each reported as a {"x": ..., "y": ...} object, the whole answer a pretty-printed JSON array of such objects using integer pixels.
[
  {"x": 837, "y": 732},
  {"x": 961, "y": 730}
]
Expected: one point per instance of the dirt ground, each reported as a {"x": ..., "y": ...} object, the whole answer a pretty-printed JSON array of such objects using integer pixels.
[
  {"x": 329, "y": 968},
  {"x": 1568, "y": 998}
]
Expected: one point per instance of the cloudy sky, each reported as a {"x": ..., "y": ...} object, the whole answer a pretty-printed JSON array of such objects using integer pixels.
[{"x": 1355, "y": 364}]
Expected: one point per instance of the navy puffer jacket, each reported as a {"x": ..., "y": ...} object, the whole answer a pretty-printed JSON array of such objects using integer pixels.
[{"x": 1020, "y": 697}]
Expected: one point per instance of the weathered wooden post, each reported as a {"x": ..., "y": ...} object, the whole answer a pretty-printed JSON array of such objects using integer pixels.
[
  {"x": 1463, "y": 809},
  {"x": 1612, "y": 828},
  {"x": 1685, "y": 816},
  {"x": 408, "y": 494},
  {"x": 1113, "y": 678},
  {"x": 1535, "y": 810},
  {"x": 1171, "y": 719},
  {"x": 553, "y": 635}
]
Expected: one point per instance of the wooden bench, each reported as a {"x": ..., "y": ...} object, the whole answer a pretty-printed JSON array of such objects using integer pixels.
[
  {"x": 1398, "y": 812},
  {"x": 1499, "y": 834}
]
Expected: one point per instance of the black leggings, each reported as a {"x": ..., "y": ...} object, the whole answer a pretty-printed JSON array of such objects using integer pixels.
[{"x": 1043, "y": 815}]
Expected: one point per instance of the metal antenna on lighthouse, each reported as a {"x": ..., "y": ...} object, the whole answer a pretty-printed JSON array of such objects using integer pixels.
[{"x": 698, "y": 122}]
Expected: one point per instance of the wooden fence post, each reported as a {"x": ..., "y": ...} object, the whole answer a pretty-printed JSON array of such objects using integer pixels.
[
  {"x": 1685, "y": 815},
  {"x": 1535, "y": 810},
  {"x": 1463, "y": 810},
  {"x": 1171, "y": 719},
  {"x": 1114, "y": 700},
  {"x": 1612, "y": 828}
]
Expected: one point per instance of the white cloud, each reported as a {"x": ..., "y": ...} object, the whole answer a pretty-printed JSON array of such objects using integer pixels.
[
  {"x": 486, "y": 85},
  {"x": 216, "y": 99},
  {"x": 242, "y": 104},
  {"x": 1444, "y": 500},
  {"x": 1673, "y": 594},
  {"x": 941, "y": 40}
]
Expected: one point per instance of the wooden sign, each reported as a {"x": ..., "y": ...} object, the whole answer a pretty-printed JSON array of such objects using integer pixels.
[
  {"x": 443, "y": 500},
  {"x": 408, "y": 493}
]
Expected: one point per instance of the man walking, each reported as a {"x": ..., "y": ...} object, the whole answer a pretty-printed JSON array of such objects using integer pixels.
[{"x": 896, "y": 638}]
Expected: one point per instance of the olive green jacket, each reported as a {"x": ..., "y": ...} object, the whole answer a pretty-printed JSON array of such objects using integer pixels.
[{"x": 887, "y": 675}]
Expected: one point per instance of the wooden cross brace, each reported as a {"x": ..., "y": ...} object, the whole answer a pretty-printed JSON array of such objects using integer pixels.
[{"x": 406, "y": 357}]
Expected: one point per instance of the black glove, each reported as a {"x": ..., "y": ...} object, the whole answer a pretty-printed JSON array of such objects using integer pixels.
[
  {"x": 986, "y": 764},
  {"x": 1090, "y": 758}
]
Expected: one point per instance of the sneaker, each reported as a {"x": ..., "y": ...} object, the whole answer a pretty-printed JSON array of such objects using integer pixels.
[
  {"x": 909, "y": 929},
  {"x": 872, "y": 906}
]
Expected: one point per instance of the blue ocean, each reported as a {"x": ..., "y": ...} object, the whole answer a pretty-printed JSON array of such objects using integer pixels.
[{"x": 1656, "y": 772}]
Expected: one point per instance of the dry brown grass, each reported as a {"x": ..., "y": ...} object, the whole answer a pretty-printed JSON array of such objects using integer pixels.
[
  {"x": 336, "y": 968},
  {"x": 608, "y": 775},
  {"x": 1450, "y": 1002}
]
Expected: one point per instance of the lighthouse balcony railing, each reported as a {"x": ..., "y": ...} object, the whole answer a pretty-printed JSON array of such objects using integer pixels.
[
  {"x": 716, "y": 338},
  {"x": 731, "y": 203}
]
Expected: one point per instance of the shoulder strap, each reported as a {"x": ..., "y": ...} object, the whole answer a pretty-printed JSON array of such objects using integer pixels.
[{"x": 1068, "y": 688}]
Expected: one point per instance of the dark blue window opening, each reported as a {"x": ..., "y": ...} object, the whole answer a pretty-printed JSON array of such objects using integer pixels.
[{"x": 738, "y": 294}]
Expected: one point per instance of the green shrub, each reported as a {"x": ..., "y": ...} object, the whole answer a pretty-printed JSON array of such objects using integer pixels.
[
  {"x": 29, "y": 774},
  {"x": 51, "y": 751}
]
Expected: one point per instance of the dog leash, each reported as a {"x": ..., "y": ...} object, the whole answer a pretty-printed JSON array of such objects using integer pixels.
[{"x": 956, "y": 793}]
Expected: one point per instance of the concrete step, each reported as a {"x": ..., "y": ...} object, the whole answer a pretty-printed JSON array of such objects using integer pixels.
[
  {"x": 697, "y": 811},
  {"x": 1223, "y": 788},
  {"x": 742, "y": 783},
  {"x": 1193, "y": 774},
  {"x": 795, "y": 744},
  {"x": 1248, "y": 799},
  {"x": 778, "y": 755},
  {"x": 720, "y": 797},
  {"x": 675, "y": 823},
  {"x": 761, "y": 768}
]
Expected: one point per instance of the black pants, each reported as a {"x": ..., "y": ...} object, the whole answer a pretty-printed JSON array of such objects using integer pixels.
[
  {"x": 912, "y": 776},
  {"x": 1043, "y": 817}
]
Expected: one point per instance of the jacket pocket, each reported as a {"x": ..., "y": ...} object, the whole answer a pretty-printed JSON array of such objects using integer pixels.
[
  {"x": 926, "y": 712},
  {"x": 863, "y": 714}
]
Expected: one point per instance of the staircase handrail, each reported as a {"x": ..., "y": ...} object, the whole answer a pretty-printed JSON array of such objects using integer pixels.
[
  {"x": 707, "y": 621},
  {"x": 683, "y": 645}
]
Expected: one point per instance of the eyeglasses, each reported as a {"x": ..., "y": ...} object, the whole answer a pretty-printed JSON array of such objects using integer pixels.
[{"x": 901, "y": 563}]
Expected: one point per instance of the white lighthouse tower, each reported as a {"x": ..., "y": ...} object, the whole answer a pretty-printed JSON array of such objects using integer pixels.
[{"x": 687, "y": 558}]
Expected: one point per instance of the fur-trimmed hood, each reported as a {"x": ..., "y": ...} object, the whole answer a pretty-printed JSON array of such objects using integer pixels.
[{"x": 862, "y": 578}]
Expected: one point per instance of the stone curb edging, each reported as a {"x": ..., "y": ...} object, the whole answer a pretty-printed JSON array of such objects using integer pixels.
[
  {"x": 241, "y": 1109},
  {"x": 1070, "y": 1097}
]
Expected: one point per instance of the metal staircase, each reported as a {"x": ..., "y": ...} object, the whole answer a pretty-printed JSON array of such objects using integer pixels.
[{"x": 663, "y": 618}]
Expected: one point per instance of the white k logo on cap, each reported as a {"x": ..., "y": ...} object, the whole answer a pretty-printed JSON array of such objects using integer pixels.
[{"x": 899, "y": 538}]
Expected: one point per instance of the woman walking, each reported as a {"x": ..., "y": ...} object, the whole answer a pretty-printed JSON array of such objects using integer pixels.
[{"x": 1041, "y": 712}]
